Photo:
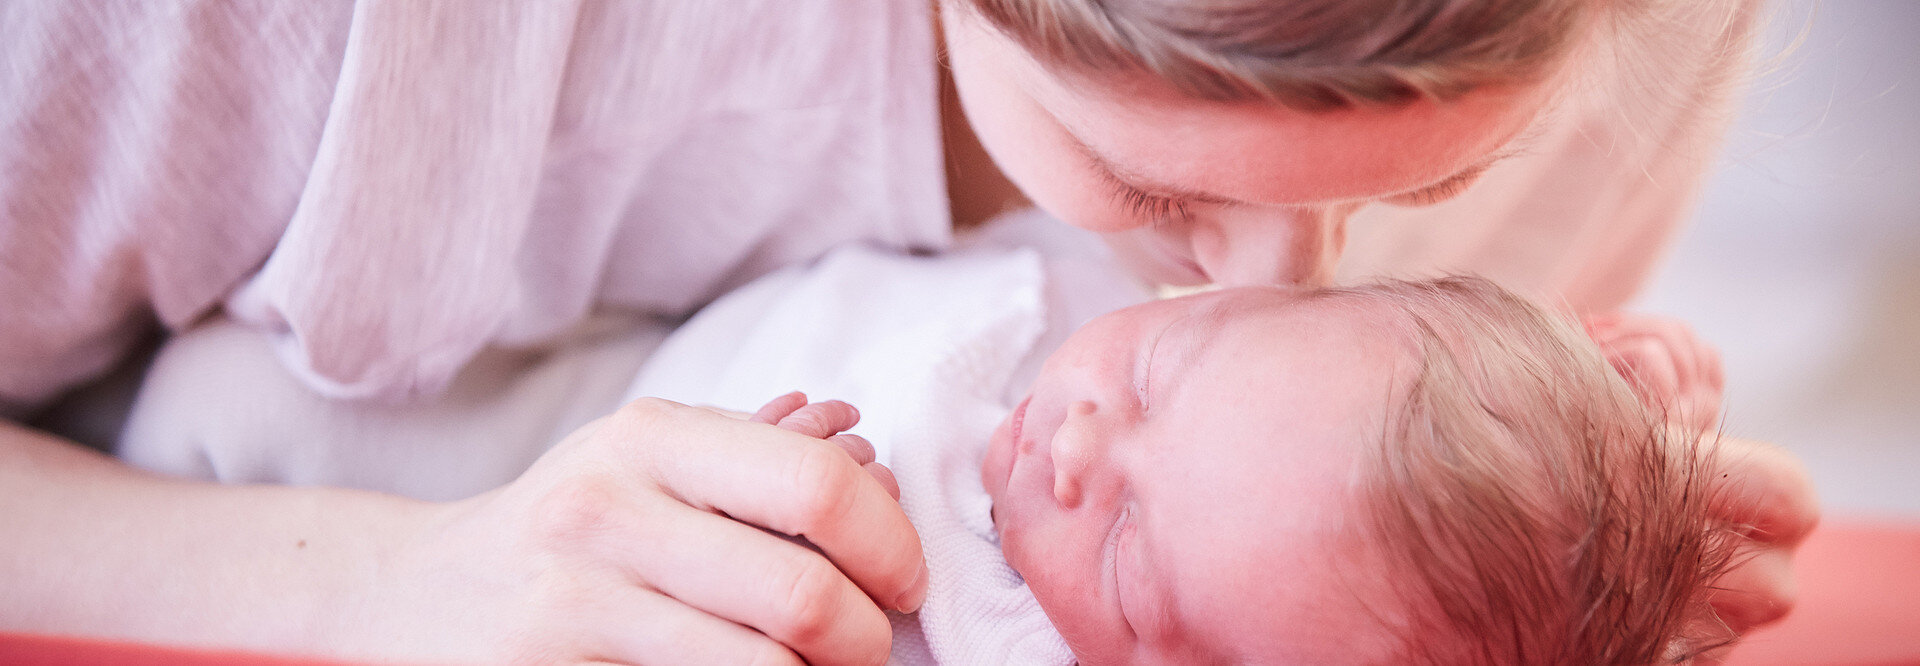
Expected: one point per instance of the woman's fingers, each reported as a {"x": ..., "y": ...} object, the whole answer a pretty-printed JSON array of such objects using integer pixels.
[
  {"x": 1758, "y": 592},
  {"x": 733, "y": 587},
  {"x": 1767, "y": 492},
  {"x": 654, "y": 535},
  {"x": 784, "y": 591},
  {"x": 642, "y": 626},
  {"x": 791, "y": 484},
  {"x": 1769, "y": 500},
  {"x": 704, "y": 563}
]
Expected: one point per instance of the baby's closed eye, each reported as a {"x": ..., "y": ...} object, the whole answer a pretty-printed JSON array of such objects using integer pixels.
[{"x": 1141, "y": 607}]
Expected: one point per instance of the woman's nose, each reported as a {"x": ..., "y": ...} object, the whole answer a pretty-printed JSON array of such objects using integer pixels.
[{"x": 1293, "y": 246}]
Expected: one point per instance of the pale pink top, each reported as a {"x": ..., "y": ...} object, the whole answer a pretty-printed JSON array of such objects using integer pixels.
[{"x": 385, "y": 187}]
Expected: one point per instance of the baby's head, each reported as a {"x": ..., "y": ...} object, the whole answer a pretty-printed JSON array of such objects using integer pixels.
[{"x": 1406, "y": 472}]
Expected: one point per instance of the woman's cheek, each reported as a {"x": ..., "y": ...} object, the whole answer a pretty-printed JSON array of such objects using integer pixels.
[
  {"x": 1068, "y": 192},
  {"x": 1158, "y": 258}
]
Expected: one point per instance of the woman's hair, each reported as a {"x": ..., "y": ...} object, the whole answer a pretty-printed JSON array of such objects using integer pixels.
[
  {"x": 1530, "y": 504},
  {"x": 1322, "y": 55},
  {"x": 1309, "y": 54}
]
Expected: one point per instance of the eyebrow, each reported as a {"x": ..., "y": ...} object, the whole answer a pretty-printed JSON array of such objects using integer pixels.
[
  {"x": 1519, "y": 144},
  {"x": 1208, "y": 319}
]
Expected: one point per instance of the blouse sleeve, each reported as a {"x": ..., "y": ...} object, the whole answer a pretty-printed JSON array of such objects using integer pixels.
[{"x": 150, "y": 156}]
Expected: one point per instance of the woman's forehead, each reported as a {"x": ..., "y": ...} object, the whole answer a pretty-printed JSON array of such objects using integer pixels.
[{"x": 1261, "y": 153}]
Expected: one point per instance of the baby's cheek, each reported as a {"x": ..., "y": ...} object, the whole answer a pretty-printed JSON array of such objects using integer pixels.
[{"x": 1069, "y": 598}]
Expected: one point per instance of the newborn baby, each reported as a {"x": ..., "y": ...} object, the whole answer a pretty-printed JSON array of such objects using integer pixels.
[
  {"x": 1434, "y": 471},
  {"x": 1407, "y": 472}
]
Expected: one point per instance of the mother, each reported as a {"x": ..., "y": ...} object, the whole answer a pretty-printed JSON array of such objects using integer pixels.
[{"x": 387, "y": 190}]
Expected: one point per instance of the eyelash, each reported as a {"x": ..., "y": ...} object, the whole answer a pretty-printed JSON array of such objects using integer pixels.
[
  {"x": 1155, "y": 208},
  {"x": 1438, "y": 193},
  {"x": 1119, "y": 532},
  {"x": 1159, "y": 209}
]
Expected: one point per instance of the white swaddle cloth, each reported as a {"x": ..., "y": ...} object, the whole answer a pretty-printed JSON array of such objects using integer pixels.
[{"x": 927, "y": 349}]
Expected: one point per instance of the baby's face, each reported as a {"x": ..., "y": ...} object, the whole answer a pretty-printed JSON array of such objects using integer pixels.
[{"x": 1176, "y": 487}]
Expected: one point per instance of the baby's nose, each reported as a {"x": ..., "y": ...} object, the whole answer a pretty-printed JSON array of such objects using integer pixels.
[{"x": 1073, "y": 450}]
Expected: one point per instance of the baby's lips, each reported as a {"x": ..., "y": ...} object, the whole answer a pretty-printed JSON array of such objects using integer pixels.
[{"x": 1018, "y": 429}]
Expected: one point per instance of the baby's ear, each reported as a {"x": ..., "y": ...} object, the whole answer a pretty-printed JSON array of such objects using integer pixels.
[{"x": 1670, "y": 367}]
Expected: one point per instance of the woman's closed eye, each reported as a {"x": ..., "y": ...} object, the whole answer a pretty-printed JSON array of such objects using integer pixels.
[
  {"x": 1442, "y": 191},
  {"x": 1154, "y": 208}
]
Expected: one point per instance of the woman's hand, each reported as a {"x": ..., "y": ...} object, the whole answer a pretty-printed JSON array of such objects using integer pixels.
[
  {"x": 640, "y": 538},
  {"x": 1770, "y": 500},
  {"x": 1769, "y": 497}
]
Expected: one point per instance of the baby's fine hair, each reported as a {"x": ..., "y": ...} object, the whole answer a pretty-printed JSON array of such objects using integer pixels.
[
  {"x": 1536, "y": 510},
  {"x": 1321, "y": 55}
]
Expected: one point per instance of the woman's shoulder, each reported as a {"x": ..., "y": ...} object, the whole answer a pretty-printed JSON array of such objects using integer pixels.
[{"x": 750, "y": 55}]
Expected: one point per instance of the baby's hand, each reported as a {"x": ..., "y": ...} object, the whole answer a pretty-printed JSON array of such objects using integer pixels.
[
  {"x": 829, "y": 421},
  {"x": 1669, "y": 366}
]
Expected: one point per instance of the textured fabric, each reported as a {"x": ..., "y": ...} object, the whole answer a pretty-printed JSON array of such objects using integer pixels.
[
  {"x": 217, "y": 405},
  {"x": 384, "y": 187},
  {"x": 928, "y": 350}
]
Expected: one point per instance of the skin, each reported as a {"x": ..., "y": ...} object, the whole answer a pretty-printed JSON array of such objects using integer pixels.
[
  {"x": 1262, "y": 192},
  {"x": 1137, "y": 486},
  {"x": 624, "y": 544},
  {"x": 627, "y": 542},
  {"x": 1256, "y": 194}
]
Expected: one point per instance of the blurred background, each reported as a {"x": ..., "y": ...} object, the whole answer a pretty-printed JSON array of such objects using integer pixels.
[{"x": 1804, "y": 262}]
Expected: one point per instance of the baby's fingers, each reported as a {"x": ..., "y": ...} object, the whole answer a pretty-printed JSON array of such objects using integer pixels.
[
  {"x": 779, "y": 408},
  {"x": 856, "y": 446},
  {"x": 821, "y": 420}
]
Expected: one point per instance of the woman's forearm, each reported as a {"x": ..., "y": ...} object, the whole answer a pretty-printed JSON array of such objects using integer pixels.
[
  {"x": 91, "y": 547},
  {"x": 636, "y": 539}
]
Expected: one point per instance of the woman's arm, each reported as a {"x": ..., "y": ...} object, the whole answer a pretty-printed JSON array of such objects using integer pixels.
[
  {"x": 89, "y": 546},
  {"x": 626, "y": 542}
]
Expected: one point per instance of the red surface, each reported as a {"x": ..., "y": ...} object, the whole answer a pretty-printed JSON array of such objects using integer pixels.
[
  {"x": 1859, "y": 600},
  {"x": 1859, "y": 606},
  {"x": 30, "y": 649}
]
